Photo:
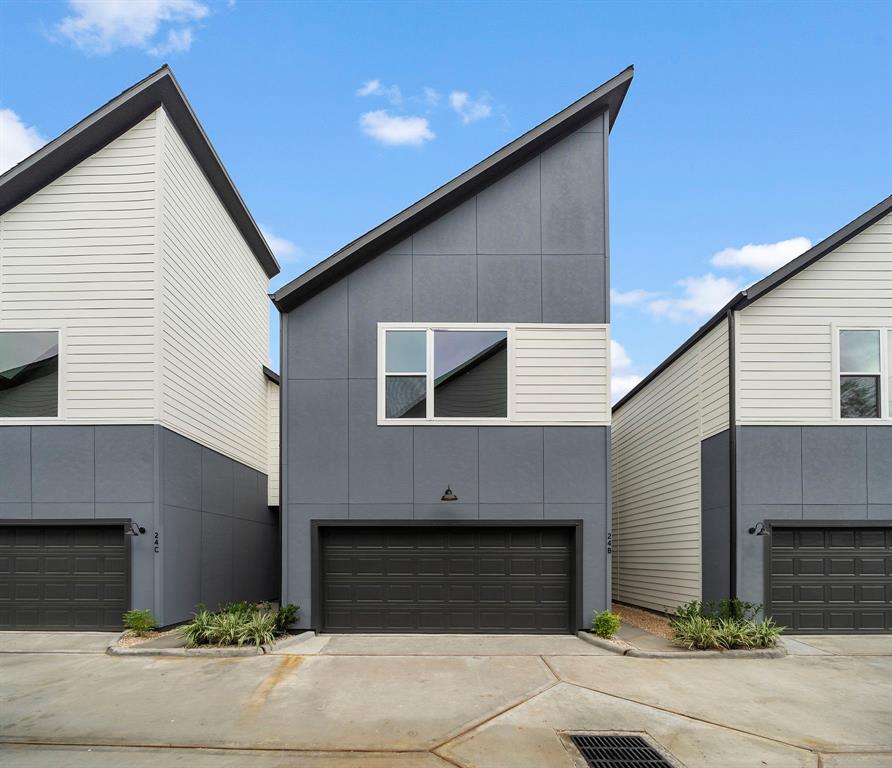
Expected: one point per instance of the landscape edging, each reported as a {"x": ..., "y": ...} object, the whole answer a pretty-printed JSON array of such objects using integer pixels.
[{"x": 777, "y": 652}]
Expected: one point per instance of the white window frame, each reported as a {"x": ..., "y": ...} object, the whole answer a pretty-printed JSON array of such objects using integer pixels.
[
  {"x": 429, "y": 373},
  {"x": 885, "y": 365},
  {"x": 60, "y": 400}
]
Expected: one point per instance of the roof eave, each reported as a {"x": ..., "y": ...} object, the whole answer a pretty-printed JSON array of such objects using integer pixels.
[
  {"x": 111, "y": 121},
  {"x": 607, "y": 97}
]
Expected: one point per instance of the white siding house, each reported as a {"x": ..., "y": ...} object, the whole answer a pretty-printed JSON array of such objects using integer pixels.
[
  {"x": 656, "y": 475},
  {"x": 768, "y": 478},
  {"x": 136, "y": 416}
]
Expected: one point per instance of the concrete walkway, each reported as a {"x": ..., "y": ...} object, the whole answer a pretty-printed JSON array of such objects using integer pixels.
[{"x": 434, "y": 701}]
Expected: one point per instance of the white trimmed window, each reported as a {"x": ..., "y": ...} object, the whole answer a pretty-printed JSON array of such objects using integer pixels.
[
  {"x": 29, "y": 374},
  {"x": 482, "y": 373},
  {"x": 445, "y": 373},
  {"x": 863, "y": 359}
]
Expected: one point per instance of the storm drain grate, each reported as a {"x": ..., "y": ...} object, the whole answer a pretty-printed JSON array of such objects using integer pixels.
[{"x": 618, "y": 752}]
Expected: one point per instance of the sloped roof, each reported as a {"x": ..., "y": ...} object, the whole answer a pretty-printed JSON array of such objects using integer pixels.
[
  {"x": 763, "y": 286},
  {"x": 113, "y": 119},
  {"x": 608, "y": 96}
]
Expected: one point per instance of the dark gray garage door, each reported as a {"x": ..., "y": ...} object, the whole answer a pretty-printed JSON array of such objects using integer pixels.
[
  {"x": 63, "y": 576},
  {"x": 831, "y": 579},
  {"x": 446, "y": 579}
]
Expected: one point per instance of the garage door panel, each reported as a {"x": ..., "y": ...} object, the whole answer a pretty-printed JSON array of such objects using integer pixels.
[
  {"x": 63, "y": 576},
  {"x": 843, "y": 587},
  {"x": 486, "y": 579}
]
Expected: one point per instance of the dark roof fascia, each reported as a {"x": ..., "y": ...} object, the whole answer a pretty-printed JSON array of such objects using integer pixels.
[
  {"x": 759, "y": 289},
  {"x": 112, "y": 120},
  {"x": 272, "y": 375},
  {"x": 607, "y": 97}
]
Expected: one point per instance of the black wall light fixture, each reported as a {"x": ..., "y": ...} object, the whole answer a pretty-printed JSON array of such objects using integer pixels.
[
  {"x": 448, "y": 495},
  {"x": 133, "y": 529},
  {"x": 759, "y": 529}
]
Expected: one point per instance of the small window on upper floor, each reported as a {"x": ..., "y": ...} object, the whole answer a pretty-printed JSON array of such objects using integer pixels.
[
  {"x": 865, "y": 390},
  {"x": 445, "y": 373},
  {"x": 29, "y": 374}
]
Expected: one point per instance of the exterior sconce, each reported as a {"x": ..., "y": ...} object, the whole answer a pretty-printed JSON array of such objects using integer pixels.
[
  {"x": 759, "y": 529},
  {"x": 133, "y": 529},
  {"x": 448, "y": 495}
]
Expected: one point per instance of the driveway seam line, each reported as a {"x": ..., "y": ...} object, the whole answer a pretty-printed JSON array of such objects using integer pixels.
[
  {"x": 229, "y": 748},
  {"x": 486, "y": 720}
]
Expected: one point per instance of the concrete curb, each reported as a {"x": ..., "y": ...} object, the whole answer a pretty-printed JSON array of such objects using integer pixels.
[
  {"x": 223, "y": 652},
  {"x": 602, "y": 643},
  {"x": 777, "y": 652}
]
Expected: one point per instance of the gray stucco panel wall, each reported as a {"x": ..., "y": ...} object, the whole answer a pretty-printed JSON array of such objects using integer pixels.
[
  {"x": 530, "y": 248},
  {"x": 807, "y": 473},
  {"x": 216, "y": 535},
  {"x": 715, "y": 515}
]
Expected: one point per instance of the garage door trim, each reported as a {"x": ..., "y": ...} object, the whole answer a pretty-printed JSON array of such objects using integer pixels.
[
  {"x": 810, "y": 523},
  {"x": 316, "y": 526},
  {"x": 105, "y": 522}
]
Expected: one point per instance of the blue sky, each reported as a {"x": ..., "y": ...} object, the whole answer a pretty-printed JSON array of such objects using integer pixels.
[{"x": 746, "y": 124}]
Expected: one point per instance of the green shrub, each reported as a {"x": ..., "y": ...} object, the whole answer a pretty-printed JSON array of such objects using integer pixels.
[
  {"x": 259, "y": 629},
  {"x": 198, "y": 631},
  {"x": 724, "y": 624},
  {"x": 238, "y": 624},
  {"x": 140, "y": 622},
  {"x": 694, "y": 632},
  {"x": 605, "y": 624},
  {"x": 285, "y": 617}
]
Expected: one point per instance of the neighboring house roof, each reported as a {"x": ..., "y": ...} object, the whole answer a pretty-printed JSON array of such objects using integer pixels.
[
  {"x": 763, "y": 286},
  {"x": 271, "y": 375},
  {"x": 608, "y": 96},
  {"x": 110, "y": 121}
]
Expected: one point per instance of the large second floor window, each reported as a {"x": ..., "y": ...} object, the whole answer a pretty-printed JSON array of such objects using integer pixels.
[
  {"x": 445, "y": 373},
  {"x": 865, "y": 389},
  {"x": 29, "y": 374}
]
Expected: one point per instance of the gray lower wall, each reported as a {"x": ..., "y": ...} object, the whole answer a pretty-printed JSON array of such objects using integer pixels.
[
  {"x": 715, "y": 515},
  {"x": 806, "y": 473},
  {"x": 498, "y": 473},
  {"x": 216, "y": 536}
]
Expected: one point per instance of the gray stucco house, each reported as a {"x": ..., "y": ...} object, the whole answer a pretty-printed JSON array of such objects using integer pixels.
[
  {"x": 445, "y": 401},
  {"x": 756, "y": 461},
  {"x": 138, "y": 427}
]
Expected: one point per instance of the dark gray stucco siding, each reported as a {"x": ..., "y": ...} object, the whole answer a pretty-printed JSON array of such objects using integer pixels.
[
  {"x": 530, "y": 248},
  {"x": 807, "y": 473},
  {"x": 217, "y": 537},
  {"x": 715, "y": 515}
]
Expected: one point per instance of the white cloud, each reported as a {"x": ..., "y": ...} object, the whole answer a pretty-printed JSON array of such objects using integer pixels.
[
  {"x": 102, "y": 26},
  {"x": 703, "y": 296},
  {"x": 761, "y": 258},
  {"x": 374, "y": 88},
  {"x": 396, "y": 130},
  {"x": 17, "y": 140},
  {"x": 622, "y": 379},
  {"x": 630, "y": 298},
  {"x": 283, "y": 249},
  {"x": 430, "y": 97},
  {"x": 468, "y": 109}
]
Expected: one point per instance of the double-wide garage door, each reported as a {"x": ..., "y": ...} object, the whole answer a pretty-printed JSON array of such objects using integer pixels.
[
  {"x": 446, "y": 579},
  {"x": 63, "y": 576},
  {"x": 831, "y": 579}
]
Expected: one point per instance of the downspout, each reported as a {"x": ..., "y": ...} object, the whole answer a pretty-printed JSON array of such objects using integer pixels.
[{"x": 732, "y": 456}]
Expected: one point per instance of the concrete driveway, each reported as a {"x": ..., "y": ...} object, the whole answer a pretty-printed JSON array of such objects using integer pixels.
[{"x": 433, "y": 702}]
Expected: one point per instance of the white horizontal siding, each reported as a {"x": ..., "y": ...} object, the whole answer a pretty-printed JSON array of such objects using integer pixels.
[
  {"x": 214, "y": 318},
  {"x": 655, "y": 443},
  {"x": 272, "y": 400},
  {"x": 561, "y": 374},
  {"x": 784, "y": 341},
  {"x": 80, "y": 256}
]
